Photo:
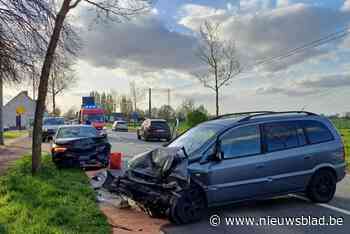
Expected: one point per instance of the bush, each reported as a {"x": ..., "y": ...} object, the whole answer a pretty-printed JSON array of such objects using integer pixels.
[{"x": 196, "y": 117}]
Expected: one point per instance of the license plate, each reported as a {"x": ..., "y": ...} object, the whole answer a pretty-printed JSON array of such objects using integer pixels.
[{"x": 160, "y": 130}]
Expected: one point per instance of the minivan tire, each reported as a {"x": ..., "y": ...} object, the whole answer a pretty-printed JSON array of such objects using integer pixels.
[
  {"x": 322, "y": 186},
  {"x": 189, "y": 207}
]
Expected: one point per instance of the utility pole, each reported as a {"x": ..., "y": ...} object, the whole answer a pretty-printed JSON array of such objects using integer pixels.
[
  {"x": 168, "y": 97},
  {"x": 150, "y": 103}
]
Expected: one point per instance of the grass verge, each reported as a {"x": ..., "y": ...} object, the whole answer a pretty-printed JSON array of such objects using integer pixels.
[
  {"x": 14, "y": 134},
  {"x": 55, "y": 201},
  {"x": 345, "y": 133}
]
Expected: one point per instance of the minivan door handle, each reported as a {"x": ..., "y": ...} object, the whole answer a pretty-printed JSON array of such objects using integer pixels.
[
  {"x": 307, "y": 157},
  {"x": 260, "y": 166}
]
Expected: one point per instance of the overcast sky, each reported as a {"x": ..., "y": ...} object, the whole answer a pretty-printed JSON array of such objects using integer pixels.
[{"x": 157, "y": 50}]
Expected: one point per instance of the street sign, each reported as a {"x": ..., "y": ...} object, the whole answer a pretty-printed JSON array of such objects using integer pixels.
[{"x": 20, "y": 110}]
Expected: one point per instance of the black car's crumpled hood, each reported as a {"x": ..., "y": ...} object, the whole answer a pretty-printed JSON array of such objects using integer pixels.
[{"x": 159, "y": 164}]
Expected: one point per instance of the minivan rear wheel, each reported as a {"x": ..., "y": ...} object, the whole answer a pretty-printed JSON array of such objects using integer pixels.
[
  {"x": 189, "y": 207},
  {"x": 322, "y": 186}
]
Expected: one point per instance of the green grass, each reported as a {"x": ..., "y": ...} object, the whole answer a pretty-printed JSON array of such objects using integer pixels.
[
  {"x": 341, "y": 123},
  {"x": 346, "y": 138},
  {"x": 55, "y": 201},
  {"x": 14, "y": 134}
]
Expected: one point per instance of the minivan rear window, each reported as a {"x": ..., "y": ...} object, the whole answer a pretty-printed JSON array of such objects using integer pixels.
[
  {"x": 281, "y": 136},
  {"x": 316, "y": 132}
]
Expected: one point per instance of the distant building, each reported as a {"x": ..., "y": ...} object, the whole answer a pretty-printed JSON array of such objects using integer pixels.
[{"x": 19, "y": 111}]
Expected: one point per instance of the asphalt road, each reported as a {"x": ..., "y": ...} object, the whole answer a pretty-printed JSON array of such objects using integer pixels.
[{"x": 267, "y": 216}]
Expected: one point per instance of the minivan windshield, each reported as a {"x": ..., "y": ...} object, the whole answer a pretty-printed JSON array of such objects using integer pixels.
[{"x": 196, "y": 137}]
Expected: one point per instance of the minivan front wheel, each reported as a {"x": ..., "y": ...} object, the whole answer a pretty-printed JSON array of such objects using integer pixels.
[
  {"x": 189, "y": 207},
  {"x": 322, "y": 186}
]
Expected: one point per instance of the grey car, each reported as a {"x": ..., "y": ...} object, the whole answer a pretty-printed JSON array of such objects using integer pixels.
[
  {"x": 234, "y": 158},
  {"x": 50, "y": 126}
]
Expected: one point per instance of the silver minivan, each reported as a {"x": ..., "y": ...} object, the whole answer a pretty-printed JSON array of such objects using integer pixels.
[{"x": 238, "y": 157}]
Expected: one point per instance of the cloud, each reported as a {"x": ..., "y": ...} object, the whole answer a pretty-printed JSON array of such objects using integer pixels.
[
  {"x": 308, "y": 86},
  {"x": 255, "y": 5},
  {"x": 193, "y": 15},
  {"x": 346, "y": 5},
  {"x": 282, "y": 3},
  {"x": 142, "y": 43},
  {"x": 271, "y": 32}
]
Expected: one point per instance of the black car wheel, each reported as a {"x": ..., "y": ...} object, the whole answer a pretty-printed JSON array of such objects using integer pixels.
[
  {"x": 138, "y": 136},
  {"x": 189, "y": 207},
  {"x": 322, "y": 186}
]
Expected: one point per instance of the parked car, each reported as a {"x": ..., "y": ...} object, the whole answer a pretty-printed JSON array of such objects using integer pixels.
[
  {"x": 120, "y": 125},
  {"x": 80, "y": 146},
  {"x": 154, "y": 129},
  {"x": 236, "y": 158},
  {"x": 50, "y": 126}
]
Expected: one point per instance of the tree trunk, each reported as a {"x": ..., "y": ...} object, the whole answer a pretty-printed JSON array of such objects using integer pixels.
[
  {"x": 42, "y": 92},
  {"x": 217, "y": 101},
  {"x": 1, "y": 115},
  {"x": 53, "y": 97}
]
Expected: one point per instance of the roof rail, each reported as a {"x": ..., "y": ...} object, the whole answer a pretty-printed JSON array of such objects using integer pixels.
[
  {"x": 241, "y": 113},
  {"x": 276, "y": 113}
]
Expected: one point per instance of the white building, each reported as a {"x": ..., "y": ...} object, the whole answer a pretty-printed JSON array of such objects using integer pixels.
[{"x": 19, "y": 111}]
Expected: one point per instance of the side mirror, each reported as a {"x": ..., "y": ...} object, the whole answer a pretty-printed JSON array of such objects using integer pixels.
[
  {"x": 216, "y": 154},
  {"x": 219, "y": 154}
]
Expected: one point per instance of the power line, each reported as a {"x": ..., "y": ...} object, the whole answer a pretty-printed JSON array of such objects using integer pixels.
[
  {"x": 316, "y": 43},
  {"x": 274, "y": 59}
]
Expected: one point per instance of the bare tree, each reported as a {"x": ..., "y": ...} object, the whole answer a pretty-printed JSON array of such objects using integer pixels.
[
  {"x": 110, "y": 9},
  {"x": 25, "y": 26},
  {"x": 136, "y": 94},
  {"x": 9, "y": 71},
  {"x": 62, "y": 78},
  {"x": 219, "y": 57}
]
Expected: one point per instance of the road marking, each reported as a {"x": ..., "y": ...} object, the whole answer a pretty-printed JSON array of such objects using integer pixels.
[{"x": 340, "y": 210}]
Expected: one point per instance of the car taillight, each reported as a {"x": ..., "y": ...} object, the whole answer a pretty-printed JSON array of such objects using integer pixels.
[{"x": 59, "y": 149}]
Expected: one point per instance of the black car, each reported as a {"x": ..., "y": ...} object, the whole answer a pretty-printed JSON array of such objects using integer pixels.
[
  {"x": 154, "y": 129},
  {"x": 80, "y": 146}
]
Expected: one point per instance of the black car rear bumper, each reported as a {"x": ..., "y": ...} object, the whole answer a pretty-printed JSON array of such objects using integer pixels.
[{"x": 158, "y": 135}]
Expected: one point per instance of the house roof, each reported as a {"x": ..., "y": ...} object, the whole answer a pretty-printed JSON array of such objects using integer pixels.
[{"x": 25, "y": 93}]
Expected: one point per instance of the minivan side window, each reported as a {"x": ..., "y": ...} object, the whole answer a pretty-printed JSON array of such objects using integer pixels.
[
  {"x": 242, "y": 141},
  {"x": 316, "y": 132},
  {"x": 280, "y": 136}
]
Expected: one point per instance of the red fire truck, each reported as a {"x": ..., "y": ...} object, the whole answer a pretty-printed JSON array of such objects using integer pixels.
[{"x": 91, "y": 114}]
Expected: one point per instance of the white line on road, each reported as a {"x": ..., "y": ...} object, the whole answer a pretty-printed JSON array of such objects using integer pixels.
[{"x": 340, "y": 210}]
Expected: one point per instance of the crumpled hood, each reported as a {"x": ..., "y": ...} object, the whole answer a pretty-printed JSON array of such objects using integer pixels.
[{"x": 160, "y": 163}]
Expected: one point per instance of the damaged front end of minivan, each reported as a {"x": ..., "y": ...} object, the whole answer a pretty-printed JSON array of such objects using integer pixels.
[{"x": 159, "y": 182}]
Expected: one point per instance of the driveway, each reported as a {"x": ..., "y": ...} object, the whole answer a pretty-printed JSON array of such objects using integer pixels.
[{"x": 258, "y": 212}]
